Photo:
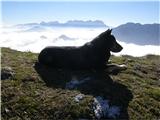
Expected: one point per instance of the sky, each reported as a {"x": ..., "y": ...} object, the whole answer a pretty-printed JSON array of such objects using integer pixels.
[{"x": 112, "y": 13}]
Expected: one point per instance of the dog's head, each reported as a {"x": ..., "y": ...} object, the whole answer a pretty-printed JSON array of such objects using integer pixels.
[{"x": 110, "y": 40}]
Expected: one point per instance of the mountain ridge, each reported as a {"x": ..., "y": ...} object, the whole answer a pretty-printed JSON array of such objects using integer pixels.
[
  {"x": 142, "y": 34},
  {"x": 137, "y": 33},
  {"x": 70, "y": 23}
]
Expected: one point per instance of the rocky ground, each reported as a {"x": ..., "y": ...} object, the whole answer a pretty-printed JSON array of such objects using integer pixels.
[{"x": 32, "y": 91}]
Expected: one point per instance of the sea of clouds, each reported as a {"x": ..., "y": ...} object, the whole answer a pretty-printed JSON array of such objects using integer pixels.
[{"x": 34, "y": 40}]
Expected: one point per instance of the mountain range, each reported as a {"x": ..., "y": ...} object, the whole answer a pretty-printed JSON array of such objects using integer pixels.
[
  {"x": 141, "y": 34},
  {"x": 147, "y": 34},
  {"x": 70, "y": 23}
]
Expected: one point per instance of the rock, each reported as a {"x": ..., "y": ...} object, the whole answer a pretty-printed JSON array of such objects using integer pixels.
[
  {"x": 7, "y": 73},
  {"x": 102, "y": 109},
  {"x": 137, "y": 67},
  {"x": 78, "y": 97},
  {"x": 115, "y": 69},
  {"x": 6, "y": 110}
]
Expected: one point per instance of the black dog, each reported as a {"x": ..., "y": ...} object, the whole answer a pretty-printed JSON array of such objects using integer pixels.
[{"x": 94, "y": 54}]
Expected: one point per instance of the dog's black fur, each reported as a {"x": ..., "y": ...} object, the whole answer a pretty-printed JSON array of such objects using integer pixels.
[{"x": 94, "y": 54}]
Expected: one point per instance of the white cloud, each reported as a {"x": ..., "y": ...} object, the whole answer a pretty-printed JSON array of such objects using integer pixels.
[
  {"x": 138, "y": 50},
  {"x": 17, "y": 38}
]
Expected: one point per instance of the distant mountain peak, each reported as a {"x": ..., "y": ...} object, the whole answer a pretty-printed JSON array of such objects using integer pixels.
[
  {"x": 132, "y": 23},
  {"x": 142, "y": 34},
  {"x": 88, "y": 23},
  {"x": 70, "y": 23},
  {"x": 64, "y": 37}
]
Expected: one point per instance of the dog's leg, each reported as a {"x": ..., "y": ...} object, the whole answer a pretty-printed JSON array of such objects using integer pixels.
[{"x": 115, "y": 68}]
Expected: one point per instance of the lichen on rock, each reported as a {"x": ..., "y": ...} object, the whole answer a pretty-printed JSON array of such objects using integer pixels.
[{"x": 7, "y": 73}]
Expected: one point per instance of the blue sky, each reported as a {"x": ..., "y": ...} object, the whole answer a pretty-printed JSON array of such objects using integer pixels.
[{"x": 113, "y": 13}]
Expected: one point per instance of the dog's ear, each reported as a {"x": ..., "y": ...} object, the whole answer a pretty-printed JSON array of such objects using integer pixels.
[{"x": 109, "y": 31}]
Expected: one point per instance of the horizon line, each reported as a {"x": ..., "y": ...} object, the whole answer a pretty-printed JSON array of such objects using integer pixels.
[{"x": 5, "y": 24}]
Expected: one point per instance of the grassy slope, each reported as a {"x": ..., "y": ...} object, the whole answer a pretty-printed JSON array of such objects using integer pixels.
[{"x": 40, "y": 94}]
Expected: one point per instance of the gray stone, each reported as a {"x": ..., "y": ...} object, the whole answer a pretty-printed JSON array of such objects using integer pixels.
[
  {"x": 78, "y": 97},
  {"x": 102, "y": 109},
  {"x": 7, "y": 73}
]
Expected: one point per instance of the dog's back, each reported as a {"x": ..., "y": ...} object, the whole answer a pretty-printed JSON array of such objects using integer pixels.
[{"x": 61, "y": 56}]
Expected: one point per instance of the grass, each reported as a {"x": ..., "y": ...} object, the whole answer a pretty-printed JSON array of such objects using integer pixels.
[{"x": 38, "y": 92}]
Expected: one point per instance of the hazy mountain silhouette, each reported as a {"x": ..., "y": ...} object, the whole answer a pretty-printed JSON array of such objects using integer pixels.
[
  {"x": 64, "y": 37},
  {"x": 147, "y": 34},
  {"x": 71, "y": 23},
  {"x": 141, "y": 34},
  {"x": 35, "y": 28}
]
